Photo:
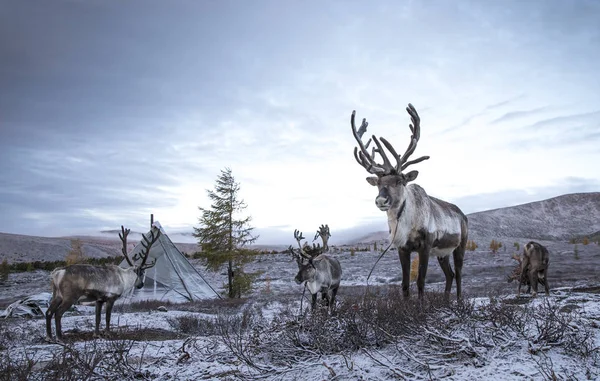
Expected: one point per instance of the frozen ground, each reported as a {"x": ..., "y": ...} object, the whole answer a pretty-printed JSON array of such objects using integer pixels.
[{"x": 157, "y": 349}]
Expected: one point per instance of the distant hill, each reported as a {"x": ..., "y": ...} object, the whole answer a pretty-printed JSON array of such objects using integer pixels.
[
  {"x": 564, "y": 217},
  {"x": 560, "y": 218},
  {"x": 557, "y": 218}
]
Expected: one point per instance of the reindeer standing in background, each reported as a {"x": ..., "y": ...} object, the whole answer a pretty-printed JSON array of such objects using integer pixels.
[
  {"x": 534, "y": 267},
  {"x": 321, "y": 272},
  {"x": 417, "y": 222},
  {"x": 323, "y": 232},
  {"x": 102, "y": 284}
]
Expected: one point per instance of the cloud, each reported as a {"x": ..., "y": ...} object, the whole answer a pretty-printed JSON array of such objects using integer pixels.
[
  {"x": 110, "y": 112},
  {"x": 510, "y": 116}
]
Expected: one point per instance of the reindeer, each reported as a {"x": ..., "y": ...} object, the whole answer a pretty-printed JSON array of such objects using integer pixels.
[
  {"x": 534, "y": 267},
  {"x": 323, "y": 232},
  {"x": 321, "y": 272},
  {"x": 102, "y": 284},
  {"x": 417, "y": 222}
]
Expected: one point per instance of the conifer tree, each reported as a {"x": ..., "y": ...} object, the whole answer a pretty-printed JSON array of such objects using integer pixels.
[{"x": 223, "y": 235}]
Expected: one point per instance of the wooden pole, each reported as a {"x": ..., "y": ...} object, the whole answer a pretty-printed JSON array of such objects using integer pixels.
[{"x": 151, "y": 220}]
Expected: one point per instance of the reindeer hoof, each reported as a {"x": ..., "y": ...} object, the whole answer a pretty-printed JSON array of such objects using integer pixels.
[{"x": 49, "y": 339}]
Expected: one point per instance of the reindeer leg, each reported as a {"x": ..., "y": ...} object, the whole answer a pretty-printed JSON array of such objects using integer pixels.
[
  {"x": 109, "y": 307},
  {"x": 533, "y": 280},
  {"x": 314, "y": 301},
  {"x": 49, "y": 313},
  {"x": 459, "y": 257},
  {"x": 423, "y": 263},
  {"x": 98, "y": 313},
  {"x": 445, "y": 265},
  {"x": 546, "y": 286},
  {"x": 405, "y": 264},
  {"x": 325, "y": 296},
  {"x": 62, "y": 308},
  {"x": 333, "y": 294}
]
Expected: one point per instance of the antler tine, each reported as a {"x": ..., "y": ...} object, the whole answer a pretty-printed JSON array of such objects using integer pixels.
[
  {"x": 123, "y": 236},
  {"x": 147, "y": 244},
  {"x": 415, "y": 129},
  {"x": 298, "y": 236},
  {"x": 368, "y": 160},
  {"x": 363, "y": 157}
]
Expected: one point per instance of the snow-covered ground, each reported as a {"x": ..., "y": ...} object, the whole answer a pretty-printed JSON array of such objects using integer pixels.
[{"x": 152, "y": 344}]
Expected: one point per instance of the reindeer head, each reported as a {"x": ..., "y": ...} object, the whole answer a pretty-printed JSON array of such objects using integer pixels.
[
  {"x": 140, "y": 268},
  {"x": 304, "y": 256},
  {"x": 390, "y": 180}
]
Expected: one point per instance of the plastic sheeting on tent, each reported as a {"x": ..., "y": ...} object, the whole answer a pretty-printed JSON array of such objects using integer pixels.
[{"x": 172, "y": 278}]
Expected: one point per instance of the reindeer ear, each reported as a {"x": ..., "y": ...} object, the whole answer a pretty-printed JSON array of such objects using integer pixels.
[
  {"x": 410, "y": 176},
  {"x": 373, "y": 180}
]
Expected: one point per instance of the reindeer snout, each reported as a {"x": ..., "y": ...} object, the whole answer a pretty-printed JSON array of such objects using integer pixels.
[
  {"x": 383, "y": 203},
  {"x": 383, "y": 200}
]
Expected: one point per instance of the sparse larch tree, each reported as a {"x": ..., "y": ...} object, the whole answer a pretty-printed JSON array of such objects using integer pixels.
[
  {"x": 4, "y": 270},
  {"x": 495, "y": 245},
  {"x": 75, "y": 255},
  {"x": 224, "y": 237}
]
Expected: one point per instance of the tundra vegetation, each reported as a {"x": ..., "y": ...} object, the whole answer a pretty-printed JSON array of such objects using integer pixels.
[
  {"x": 495, "y": 246},
  {"x": 378, "y": 334}
]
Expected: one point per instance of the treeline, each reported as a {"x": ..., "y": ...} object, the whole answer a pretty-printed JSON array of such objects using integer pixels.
[{"x": 20, "y": 267}]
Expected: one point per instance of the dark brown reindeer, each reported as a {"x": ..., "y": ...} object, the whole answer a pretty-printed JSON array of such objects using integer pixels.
[
  {"x": 102, "y": 284},
  {"x": 322, "y": 273},
  {"x": 324, "y": 233},
  {"x": 534, "y": 267},
  {"x": 417, "y": 222}
]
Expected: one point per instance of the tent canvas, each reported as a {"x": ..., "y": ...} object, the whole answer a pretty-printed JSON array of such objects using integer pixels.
[{"x": 172, "y": 277}]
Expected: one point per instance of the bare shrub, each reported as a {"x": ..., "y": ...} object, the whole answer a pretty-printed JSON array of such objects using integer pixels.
[
  {"x": 193, "y": 325},
  {"x": 495, "y": 245},
  {"x": 471, "y": 245}
]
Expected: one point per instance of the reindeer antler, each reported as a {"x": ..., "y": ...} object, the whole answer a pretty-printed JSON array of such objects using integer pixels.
[
  {"x": 147, "y": 244},
  {"x": 123, "y": 236},
  {"x": 368, "y": 160},
  {"x": 307, "y": 252}
]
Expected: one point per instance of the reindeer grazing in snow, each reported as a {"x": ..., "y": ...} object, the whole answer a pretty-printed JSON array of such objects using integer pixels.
[
  {"x": 417, "y": 222},
  {"x": 323, "y": 232},
  {"x": 534, "y": 267},
  {"x": 321, "y": 272},
  {"x": 102, "y": 284}
]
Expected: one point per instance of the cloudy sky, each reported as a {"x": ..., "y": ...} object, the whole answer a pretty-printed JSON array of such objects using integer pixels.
[{"x": 113, "y": 110}]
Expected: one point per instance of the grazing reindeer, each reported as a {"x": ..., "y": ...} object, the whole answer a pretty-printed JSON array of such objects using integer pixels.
[
  {"x": 417, "y": 222},
  {"x": 321, "y": 272},
  {"x": 102, "y": 284},
  {"x": 534, "y": 267},
  {"x": 323, "y": 232}
]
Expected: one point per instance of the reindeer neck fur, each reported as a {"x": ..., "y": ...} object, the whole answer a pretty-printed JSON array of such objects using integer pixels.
[
  {"x": 419, "y": 219},
  {"x": 129, "y": 276}
]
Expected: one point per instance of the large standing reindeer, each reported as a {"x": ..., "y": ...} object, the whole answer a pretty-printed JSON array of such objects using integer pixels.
[
  {"x": 321, "y": 272},
  {"x": 417, "y": 222},
  {"x": 324, "y": 233},
  {"x": 102, "y": 284}
]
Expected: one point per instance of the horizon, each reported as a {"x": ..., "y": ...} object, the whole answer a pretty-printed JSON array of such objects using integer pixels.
[
  {"x": 112, "y": 111},
  {"x": 344, "y": 237}
]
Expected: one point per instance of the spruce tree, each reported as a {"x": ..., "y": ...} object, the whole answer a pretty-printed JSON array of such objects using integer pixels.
[{"x": 223, "y": 235}]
